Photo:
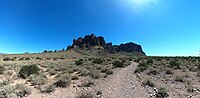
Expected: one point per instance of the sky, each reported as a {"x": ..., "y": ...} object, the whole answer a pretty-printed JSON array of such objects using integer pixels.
[{"x": 162, "y": 27}]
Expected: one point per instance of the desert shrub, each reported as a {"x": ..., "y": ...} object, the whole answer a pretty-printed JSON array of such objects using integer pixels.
[
  {"x": 192, "y": 68},
  {"x": 52, "y": 72},
  {"x": 95, "y": 74},
  {"x": 106, "y": 70},
  {"x": 27, "y": 58},
  {"x": 74, "y": 77},
  {"x": 162, "y": 93},
  {"x": 179, "y": 78},
  {"x": 174, "y": 64},
  {"x": 22, "y": 58},
  {"x": 28, "y": 70},
  {"x": 79, "y": 62},
  {"x": 6, "y": 91},
  {"x": 98, "y": 66},
  {"x": 38, "y": 58},
  {"x": 153, "y": 71},
  {"x": 148, "y": 82},
  {"x": 2, "y": 69},
  {"x": 63, "y": 81},
  {"x": 47, "y": 88},
  {"x": 169, "y": 71},
  {"x": 198, "y": 67},
  {"x": 87, "y": 83},
  {"x": 37, "y": 79},
  {"x": 97, "y": 61},
  {"x": 141, "y": 67},
  {"x": 138, "y": 60},
  {"x": 6, "y": 59},
  {"x": 84, "y": 72},
  {"x": 150, "y": 61},
  {"x": 118, "y": 64},
  {"x": 198, "y": 73},
  {"x": 22, "y": 90},
  {"x": 14, "y": 58},
  {"x": 85, "y": 95}
]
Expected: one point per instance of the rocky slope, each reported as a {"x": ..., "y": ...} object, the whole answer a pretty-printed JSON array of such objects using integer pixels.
[{"x": 90, "y": 41}]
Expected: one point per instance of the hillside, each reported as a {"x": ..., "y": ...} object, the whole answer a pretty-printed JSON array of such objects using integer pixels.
[{"x": 88, "y": 69}]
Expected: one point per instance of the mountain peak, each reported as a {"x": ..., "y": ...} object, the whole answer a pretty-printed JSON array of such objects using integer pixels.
[{"x": 90, "y": 41}]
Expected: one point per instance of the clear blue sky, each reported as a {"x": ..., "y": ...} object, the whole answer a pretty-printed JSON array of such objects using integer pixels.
[{"x": 162, "y": 27}]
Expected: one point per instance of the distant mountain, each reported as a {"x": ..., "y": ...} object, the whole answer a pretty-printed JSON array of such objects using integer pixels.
[{"x": 92, "y": 41}]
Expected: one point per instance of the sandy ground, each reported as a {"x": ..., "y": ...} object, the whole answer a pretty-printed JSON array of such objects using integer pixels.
[{"x": 122, "y": 84}]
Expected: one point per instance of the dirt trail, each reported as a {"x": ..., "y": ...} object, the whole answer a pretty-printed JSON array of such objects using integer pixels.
[{"x": 124, "y": 83}]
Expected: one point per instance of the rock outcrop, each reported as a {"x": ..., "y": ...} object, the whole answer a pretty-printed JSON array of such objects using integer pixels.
[{"x": 90, "y": 41}]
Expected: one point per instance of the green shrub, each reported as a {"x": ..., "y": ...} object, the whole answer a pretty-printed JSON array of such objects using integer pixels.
[
  {"x": 6, "y": 91},
  {"x": 148, "y": 82},
  {"x": 79, "y": 62},
  {"x": 63, "y": 81},
  {"x": 6, "y": 59},
  {"x": 2, "y": 69},
  {"x": 74, "y": 77},
  {"x": 162, "y": 93},
  {"x": 27, "y": 58},
  {"x": 84, "y": 72},
  {"x": 47, "y": 88},
  {"x": 97, "y": 61},
  {"x": 149, "y": 61},
  {"x": 95, "y": 74},
  {"x": 198, "y": 73},
  {"x": 87, "y": 83},
  {"x": 37, "y": 79},
  {"x": 22, "y": 90},
  {"x": 174, "y": 64},
  {"x": 106, "y": 70},
  {"x": 141, "y": 67},
  {"x": 179, "y": 78},
  {"x": 153, "y": 71},
  {"x": 85, "y": 95},
  {"x": 28, "y": 70},
  {"x": 169, "y": 71},
  {"x": 118, "y": 64},
  {"x": 38, "y": 58}
]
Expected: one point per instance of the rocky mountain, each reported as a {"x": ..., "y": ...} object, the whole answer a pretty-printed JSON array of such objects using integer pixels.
[{"x": 90, "y": 41}]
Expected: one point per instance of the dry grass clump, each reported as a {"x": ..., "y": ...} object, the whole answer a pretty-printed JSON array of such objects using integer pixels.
[
  {"x": 47, "y": 88},
  {"x": 63, "y": 81},
  {"x": 85, "y": 95},
  {"x": 37, "y": 79},
  {"x": 148, "y": 82},
  {"x": 2, "y": 69},
  {"x": 21, "y": 90},
  {"x": 87, "y": 83}
]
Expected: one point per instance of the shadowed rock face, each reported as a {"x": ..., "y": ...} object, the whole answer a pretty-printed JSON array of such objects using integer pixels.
[{"x": 91, "y": 40}]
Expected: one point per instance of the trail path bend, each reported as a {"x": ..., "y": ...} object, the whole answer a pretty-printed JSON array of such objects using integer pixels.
[{"x": 124, "y": 83}]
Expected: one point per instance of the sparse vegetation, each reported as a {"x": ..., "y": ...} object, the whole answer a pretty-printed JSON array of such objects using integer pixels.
[
  {"x": 79, "y": 62},
  {"x": 141, "y": 67},
  {"x": 21, "y": 90},
  {"x": 2, "y": 69},
  {"x": 119, "y": 64},
  {"x": 63, "y": 81},
  {"x": 148, "y": 82},
  {"x": 37, "y": 79},
  {"x": 85, "y": 95},
  {"x": 162, "y": 93},
  {"x": 97, "y": 61}
]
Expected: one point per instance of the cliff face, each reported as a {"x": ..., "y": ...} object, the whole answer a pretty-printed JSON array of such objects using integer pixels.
[{"x": 90, "y": 41}]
